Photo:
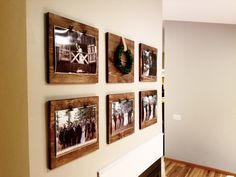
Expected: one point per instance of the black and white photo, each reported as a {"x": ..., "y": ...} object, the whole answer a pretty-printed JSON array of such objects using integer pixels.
[
  {"x": 122, "y": 115},
  {"x": 73, "y": 49},
  {"x": 149, "y": 67},
  {"x": 75, "y": 52},
  {"x": 149, "y": 107},
  {"x": 147, "y": 63},
  {"x": 75, "y": 127}
]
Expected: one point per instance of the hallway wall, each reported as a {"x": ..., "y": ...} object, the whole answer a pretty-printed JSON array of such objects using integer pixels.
[
  {"x": 140, "y": 21},
  {"x": 200, "y": 73}
]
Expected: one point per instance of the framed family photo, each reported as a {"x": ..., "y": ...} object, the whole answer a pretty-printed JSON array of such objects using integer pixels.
[
  {"x": 148, "y": 108},
  {"x": 120, "y": 120},
  {"x": 73, "y": 129},
  {"x": 147, "y": 63},
  {"x": 72, "y": 51}
]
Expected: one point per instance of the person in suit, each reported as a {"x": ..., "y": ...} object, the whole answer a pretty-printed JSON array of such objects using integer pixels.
[
  {"x": 78, "y": 132},
  {"x": 130, "y": 116},
  {"x": 62, "y": 137},
  {"x": 67, "y": 136},
  {"x": 115, "y": 118},
  {"x": 93, "y": 129},
  {"x": 73, "y": 134},
  {"x": 87, "y": 130}
]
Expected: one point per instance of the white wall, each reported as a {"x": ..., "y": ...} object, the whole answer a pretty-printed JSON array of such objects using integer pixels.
[
  {"x": 200, "y": 86},
  {"x": 129, "y": 164},
  {"x": 140, "y": 21},
  {"x": 213, "y": 11}
]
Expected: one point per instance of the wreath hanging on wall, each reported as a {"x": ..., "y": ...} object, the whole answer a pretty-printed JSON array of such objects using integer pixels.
[{"x": 125, "y": 69}]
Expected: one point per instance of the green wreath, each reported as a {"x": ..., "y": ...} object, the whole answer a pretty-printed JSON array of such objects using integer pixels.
[{"x": 125, "y": 69}]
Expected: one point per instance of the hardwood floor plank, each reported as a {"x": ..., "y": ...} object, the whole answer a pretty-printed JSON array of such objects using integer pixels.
[
  {"x": 170, "y": 167},
  {"x": 177, "y": 169}
]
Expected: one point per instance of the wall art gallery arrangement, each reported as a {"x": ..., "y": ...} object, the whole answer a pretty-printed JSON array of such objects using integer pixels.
[{"x": 73, "y": 59}]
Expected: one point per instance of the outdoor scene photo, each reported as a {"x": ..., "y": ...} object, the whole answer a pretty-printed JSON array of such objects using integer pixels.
[
  {"x": 149, "y": 106},
  {"x": 75, "y": 127},
  {"x": 75, "y": 52},
  {"x": 149, "y": 63},
  {"x": 122, "y": 115}
]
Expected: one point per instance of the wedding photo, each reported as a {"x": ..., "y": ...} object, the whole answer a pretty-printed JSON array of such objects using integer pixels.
[
  {"x": 75, "y": 52},
  {"x": 122, "y": 115},
  {"x": 149, "y": 67},
  {"x": 75, "y": 127},
  {"x": 147, "y": 63},
  {"x": 148, "y": 108}
]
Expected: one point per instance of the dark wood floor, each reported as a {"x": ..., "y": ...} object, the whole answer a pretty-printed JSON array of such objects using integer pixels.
[{"x": 178, "y": 169}]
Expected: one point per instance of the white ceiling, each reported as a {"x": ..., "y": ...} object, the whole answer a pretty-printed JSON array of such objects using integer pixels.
[{"x": 213, "y": 11}]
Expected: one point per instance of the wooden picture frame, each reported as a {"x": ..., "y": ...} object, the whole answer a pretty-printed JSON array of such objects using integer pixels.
[
  {"x": 120, "y": 116},
  {"x": 148, "y": 108},
  {"x": 72, "y": 51},
  {"x": 147, "y": 63},
  {"x": 73, "y": 129},
  {"x": 113, "y": 74}
]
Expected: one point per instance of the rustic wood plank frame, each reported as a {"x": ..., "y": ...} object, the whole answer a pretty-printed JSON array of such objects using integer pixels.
[
  {"x": 145, "y": 123},
  {"x": 69, "y": 78},
  {"x": 143, "y": 78},
  {"x": 114, "y": 75},
  {"x": 127, "y": 130},
  {"x": 56, "y": 105}
]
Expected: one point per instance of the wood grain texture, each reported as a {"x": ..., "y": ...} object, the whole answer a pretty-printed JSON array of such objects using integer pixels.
[
  {"x": 145, "y": 123},
  {"x": 55, "y": 161},
  {"x": 128, "y": 130},
  {"x": 176, "y": 168},
  {"x": 141, "y": 76},
  {"x": 114, "y": 75},
  {"x": 64, "y": 78}
]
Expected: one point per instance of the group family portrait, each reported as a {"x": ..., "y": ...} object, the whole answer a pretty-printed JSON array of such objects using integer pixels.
[
  {"x": 122, "y": 115},
  {"x": 75, "y": 127},
  {"x": 148, "y": 108}
]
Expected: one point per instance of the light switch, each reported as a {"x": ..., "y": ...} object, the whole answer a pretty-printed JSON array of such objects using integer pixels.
[{"x": 177, "y": 117}]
